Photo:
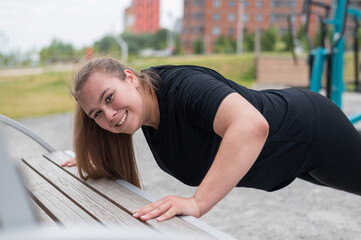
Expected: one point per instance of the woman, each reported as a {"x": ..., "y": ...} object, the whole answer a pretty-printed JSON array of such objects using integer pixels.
[{"x": 210, "y": 132}]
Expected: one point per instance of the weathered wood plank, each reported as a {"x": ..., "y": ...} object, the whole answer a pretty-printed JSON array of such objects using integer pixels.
[
  {"x": 41, "y": 216},
  {"x": 64, "y": 210},
  {"x": 130, "y": 200},
  {"x": 90, "y": 201}
]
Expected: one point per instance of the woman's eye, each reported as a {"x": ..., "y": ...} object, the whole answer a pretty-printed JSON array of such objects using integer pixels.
[
  {"x": 97, "y": 114},
  {"x": 109, "y": 98}
]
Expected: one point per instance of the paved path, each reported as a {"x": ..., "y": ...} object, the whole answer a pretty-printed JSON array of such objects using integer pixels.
[
  {"x": 300, "y": 211},
  {"x": 36, "y": 70}
]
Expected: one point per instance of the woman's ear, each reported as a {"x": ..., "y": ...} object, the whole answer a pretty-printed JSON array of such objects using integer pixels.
[{"x": 130, "y": 77}]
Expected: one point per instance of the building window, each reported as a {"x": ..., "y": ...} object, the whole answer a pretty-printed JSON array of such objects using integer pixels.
[
  {"x": 282, "y": 3},
  {"x": 199, "y": 2},
  {"x": 259, "y": 4},
  {"x": 245, "y": 17},
  {"x": 259, "y": 17},
  {"x": 216, "y": 17},
  {"x": 231, "y": 3},
  {"x": 216, "y": 3},
  {"x": 197, "y": 29},
  {"x": 216, "y": 31},
  {"x": 278, "y": 17},
  {"x": 230, "y": 31},
  {"x": 245, "y": 3},
  {"x": 231, "y": 17},
  {"x": 198, "y": 16}
]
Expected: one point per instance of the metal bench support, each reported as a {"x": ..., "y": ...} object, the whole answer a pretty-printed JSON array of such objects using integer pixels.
[{"x": 22, "y": 128}]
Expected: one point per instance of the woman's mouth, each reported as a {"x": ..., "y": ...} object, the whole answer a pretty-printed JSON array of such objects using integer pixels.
[{"x": 122, "y": 120}]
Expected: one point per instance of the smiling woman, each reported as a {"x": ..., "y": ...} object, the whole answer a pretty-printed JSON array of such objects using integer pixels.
[
  {"x": 210, "y": 132},
  {"x": 110, "y": 107}
]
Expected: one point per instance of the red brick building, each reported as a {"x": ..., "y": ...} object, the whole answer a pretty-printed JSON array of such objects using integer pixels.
[
  {"x": 142, "y": 17},
  {"x": 207, "y": 20}
]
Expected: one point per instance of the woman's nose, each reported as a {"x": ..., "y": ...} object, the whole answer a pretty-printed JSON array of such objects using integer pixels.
[{"x": 110, "y": 114}]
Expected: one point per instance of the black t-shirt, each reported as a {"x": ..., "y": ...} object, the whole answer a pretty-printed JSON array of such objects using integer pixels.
[{"x": 185, "y": 144}]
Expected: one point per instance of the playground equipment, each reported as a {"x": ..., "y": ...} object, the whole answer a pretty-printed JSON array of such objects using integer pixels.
[{"x": 330, "y": 52}]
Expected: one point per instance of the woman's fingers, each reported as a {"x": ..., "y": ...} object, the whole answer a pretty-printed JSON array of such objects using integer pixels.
[
  {"x": 168, "y": 207},
  {"x": 69, "y": 163},
  {"x": 152, "y": 210},
  {"x": 167, "y": 215}
]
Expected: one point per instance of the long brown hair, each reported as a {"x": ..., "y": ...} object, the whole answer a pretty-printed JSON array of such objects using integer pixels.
[{"x": 100, "y": 153}]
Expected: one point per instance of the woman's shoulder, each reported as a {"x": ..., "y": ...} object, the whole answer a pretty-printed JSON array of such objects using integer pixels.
[{"x": 163, "y": 69}]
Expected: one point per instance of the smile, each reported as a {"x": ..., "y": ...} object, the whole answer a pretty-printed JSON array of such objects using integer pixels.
[{"x": 120, "y": 123}]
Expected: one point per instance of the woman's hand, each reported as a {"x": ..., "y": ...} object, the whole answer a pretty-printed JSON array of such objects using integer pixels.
[
  {"x": 69, "y": 163},
  {"x": 168, "y": 207}
]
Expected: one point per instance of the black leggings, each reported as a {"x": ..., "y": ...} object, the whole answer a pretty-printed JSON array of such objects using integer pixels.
[{"x": 335, "y": 158}]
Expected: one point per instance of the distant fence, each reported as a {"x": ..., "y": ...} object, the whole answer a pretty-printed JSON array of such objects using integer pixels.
[{"x": 282, "y": 70}]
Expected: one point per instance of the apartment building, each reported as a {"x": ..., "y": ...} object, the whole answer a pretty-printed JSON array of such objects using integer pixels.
[
  {"x": 207, "y": 20},
  {"x": 142, "y": 16}
]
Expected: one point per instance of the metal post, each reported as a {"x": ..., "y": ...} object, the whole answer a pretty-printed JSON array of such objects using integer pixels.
[
  {"x": 317, "y": 68},
  {"x": 338, "y": 52},
  {"x": 124, "y": 48},
  {"x": 356, "y": 14},
  {"x": 240, "y": 26},
  {"x": 257, "y": 42}
]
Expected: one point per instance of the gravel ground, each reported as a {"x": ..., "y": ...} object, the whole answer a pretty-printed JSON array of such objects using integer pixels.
[{"x": 299, "y": 211}]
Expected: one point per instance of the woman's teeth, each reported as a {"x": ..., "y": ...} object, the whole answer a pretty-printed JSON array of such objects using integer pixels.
[{"x": 123, "y": 119}]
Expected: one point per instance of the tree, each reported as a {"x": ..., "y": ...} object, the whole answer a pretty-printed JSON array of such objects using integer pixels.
[
  {"x": 178, "y": 47},
  {"x": 107, "y": 45},
  {"x": 137, "y": 42},
  {"x": 160, "y": 39},
  {"x": 225, "y": 44},
  {"x": 268, "y": 39},
  {"x": 286, "y": 39},
  {"x": 198, "y": 46},
  {"x": 57, "y": 51},
  {"x": 248, "y": 42}
]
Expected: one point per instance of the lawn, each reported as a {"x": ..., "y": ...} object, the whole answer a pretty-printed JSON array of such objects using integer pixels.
[{"x": 48, "y": 93}]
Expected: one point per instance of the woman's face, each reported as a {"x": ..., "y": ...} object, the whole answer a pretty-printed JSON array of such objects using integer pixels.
[{"x": 114, "y": 104}]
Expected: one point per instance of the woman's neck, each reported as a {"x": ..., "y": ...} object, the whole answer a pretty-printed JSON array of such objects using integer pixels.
[{"x": 151, "y": 109}]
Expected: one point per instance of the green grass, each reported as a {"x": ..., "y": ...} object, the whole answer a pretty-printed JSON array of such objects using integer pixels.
[
  {"x": 48, "y": 93},
  {"x": 239, "y": 68},
  {"x": 35, "y": 95}
]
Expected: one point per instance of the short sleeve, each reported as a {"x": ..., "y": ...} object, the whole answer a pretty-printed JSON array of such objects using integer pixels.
[{"x": 198, "y": 96}]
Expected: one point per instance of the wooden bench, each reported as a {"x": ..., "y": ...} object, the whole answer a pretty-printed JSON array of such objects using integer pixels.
[{"x": 61, "y": 198}]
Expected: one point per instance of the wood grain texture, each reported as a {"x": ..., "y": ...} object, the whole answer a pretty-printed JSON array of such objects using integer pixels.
[
  {"x": 83, "y": 196},
  {"x": 53, "y": 201},
  {"x": 41, "y": 215},
  {"x": 130, "y": 200}
]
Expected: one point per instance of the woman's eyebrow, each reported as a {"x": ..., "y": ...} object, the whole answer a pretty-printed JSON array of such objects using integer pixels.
[
  {"x": 102, "y": 95},
  {"x": 99, "y": 101}
]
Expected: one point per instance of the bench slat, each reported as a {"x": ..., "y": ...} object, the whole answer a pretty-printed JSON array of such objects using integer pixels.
[
  {"x": 41, "y": 216},
  {"x": 53, "y": 200},
  {"x": 93, "y": 203},
  {"x": 130, "y": 200}
]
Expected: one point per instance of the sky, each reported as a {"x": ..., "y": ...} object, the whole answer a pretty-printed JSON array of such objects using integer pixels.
[{"x": 27, "y": 25}]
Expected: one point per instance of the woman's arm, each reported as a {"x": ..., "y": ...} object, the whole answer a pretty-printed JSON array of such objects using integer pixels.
[{"x": 244, "y": 131}]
